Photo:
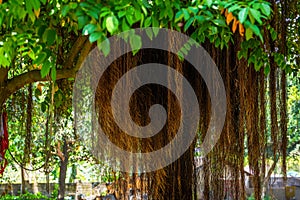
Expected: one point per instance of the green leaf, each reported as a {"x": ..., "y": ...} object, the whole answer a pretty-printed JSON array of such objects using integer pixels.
[
  {"x": 112, "y": 23},
  {"x": 240, "y": 54},
  {"x": 170, "y": 13},
  {"x": 209, "y": 3},
  {"x": 93, "y": 13},
  {"x": 65, "y": 10},
  {"x": 193, "y": 10},
  {"x": 249, "y": 33},
  {"x": 273, "y": 34},
  {"x": 252, "y": 19},
  {"x": 135, "y": 43},
  {"x": 149, "y": 33},
  {"x": 162, "y": 14},
  {"x": 256, "y": 31},
  {"x": 256, "y": 15},
  {"x": 146, "y": 4},
  {"x": 243, "y": 15},
  {"x": 254, "y": 28},
  {"x": 104, "y": 46},
  {"x": 28, "y": 6},
  {"x": 179, "y": 15},
  {"x": 267, "y": 69},
  {"x": 200, "y": 18},
  {"x": 257, "y": 66},
  {"x": 233, "y": 8},
  {"x": 265, "y": 8},
  {"x": 121, "y": 13},
  {"x": 43, "y": 106},
  {"x": 155, "y": 31},
  {"x": 95, "y": 36},
  {"x": 31, "y": 54},
  {"x": 144, "y": 10},
  {"x": 45, "y": 69},
  {"x": 53, "y": 73},
  {"x": 125, "y": 26},
  {"x": 82, "y": 21},
  {"x": 147, "y": 22},
  {"x": 36, "y": 4},
  {"x": 103, "y": 14},
  {"x": 129, "y": 18},
  {"x": 155, "y": 22},
  {"x": 137, "y": 15},
  {"x": 49, "y": 36},
  {"x": 186, "y": 14},
  {"x": 42, "y": 56},
  {"x": 73, "y": 5},
  {"x": 180, "y": 55},
  {"x": 219, "y": 22},
  {"x": 89, "y": 28},
  {"x": 188, "y": 23}
]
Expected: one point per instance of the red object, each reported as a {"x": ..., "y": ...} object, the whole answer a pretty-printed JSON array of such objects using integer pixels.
[{"x": 3, "y": 141}]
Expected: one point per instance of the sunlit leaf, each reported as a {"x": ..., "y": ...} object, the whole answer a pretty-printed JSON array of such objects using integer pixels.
[
  {"x": 104, "y": 46},
  {"x": 265, "y": 8},
  {"x": 89, "y": 28},
  {"x": 243, "y": 15},
  {"x": 135, "y": 43},
  {"x": 95, "y": 36},
  {"x": 256, "y": 15},
  {"x": 112, "y": 23},
  {"x": 219, "y": 22},
  {"x": 186, "y": 14}
]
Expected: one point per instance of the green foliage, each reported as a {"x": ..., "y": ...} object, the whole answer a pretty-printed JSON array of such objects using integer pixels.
[
  {"x": 250, "y": 13},
  {"x": 27, "y": 196},
  {"x": 39, "y": 38},
  {"x": 253, "y": 198},
  {"x": 293, "y": 106}
]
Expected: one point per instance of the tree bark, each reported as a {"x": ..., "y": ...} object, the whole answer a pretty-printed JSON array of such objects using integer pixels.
[
  {"x": 63, "y": 171},
  {"x": 23, "y": 182},
  {"x": 3, "y": 78}
]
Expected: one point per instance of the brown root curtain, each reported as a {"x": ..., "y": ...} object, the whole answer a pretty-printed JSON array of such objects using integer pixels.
[
  {"x": 245, "y": 126},
  {"x": 244, "y": 132}
]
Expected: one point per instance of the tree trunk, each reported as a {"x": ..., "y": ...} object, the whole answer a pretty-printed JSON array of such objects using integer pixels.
[
  {"x": 35, "y": 183},
  {"x": 63, "y": 171},
  {"x": 23, "y": 182},
  {"x": 3, "y": 78},
  {"x": 47, "y": 183}
]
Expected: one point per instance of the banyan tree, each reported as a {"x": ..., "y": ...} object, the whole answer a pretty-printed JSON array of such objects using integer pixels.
[
  {"x": 255, "y": 83},
  {"x": 254, "y": 45}
]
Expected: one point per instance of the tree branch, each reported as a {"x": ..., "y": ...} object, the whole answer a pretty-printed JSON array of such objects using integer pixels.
[
  {"x": 74, "y": 51},
  {"x": 83, "y": 54},
  {"x": 19, "y": 81},
  {"x": 3, "y": 75}
]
